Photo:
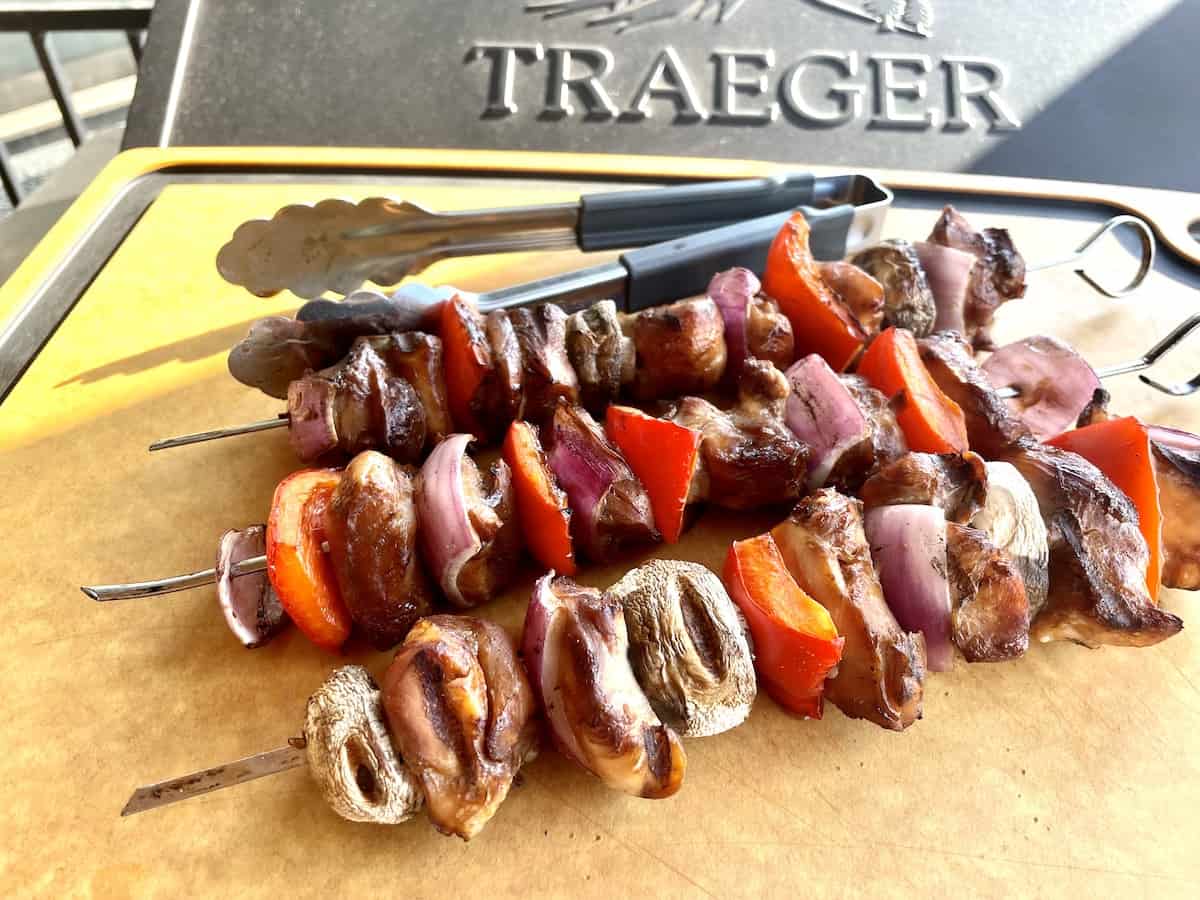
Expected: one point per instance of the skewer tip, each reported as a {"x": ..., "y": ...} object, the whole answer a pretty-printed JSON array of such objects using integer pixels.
[{"x": 91, "y": 594}]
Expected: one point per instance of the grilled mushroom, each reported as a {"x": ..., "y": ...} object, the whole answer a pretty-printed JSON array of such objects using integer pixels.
[
  {"x": 908, "y": 301},
  {"x": 600, "y": 354},
  {"x": 688, "y": 646},
  {"x": 1012, "y": 521},
  {"x": 575, "y": 649},
  {"x": 350, "y": 753},
  {"x": 461, "y": 709}
]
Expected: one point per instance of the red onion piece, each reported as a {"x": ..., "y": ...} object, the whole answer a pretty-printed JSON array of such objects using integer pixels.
[
  {"x": 948, "y": 272},
  {"x": 1054, "y": 382},
  {"x": 251, "y": 607},
  {"x": 448, "y": 537},
  {"x": 1174, "y": 438},
  {"x": 312, "y": 425},
  {"x": 732, "y": 291},
  {"x": 823, "y": 414},
  {"x": 908, "y": 545},
  {"x": 542, "y": 658}
]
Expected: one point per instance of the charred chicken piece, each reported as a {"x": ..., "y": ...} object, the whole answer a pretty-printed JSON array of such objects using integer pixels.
[
  {"x": 992, "y": 427},
  {"x": 600, "y": 353},
  {"x": 350, "y": 753},
  {"x": 610, "y": 509},
  {"x": 680, "y": 348},
  {"x": 907, "y": 300},
  {"x": 469, "y": 535},
  {"x": 499, "y": 398},
  {"x": 1098, "y": 556},
  {"x": 955, "y": 482},
  {"x": 688, "y": 646},
  {"x": 371, "y": 529},
  {"x": 251, "y": 606},
  {"x": 887, "y": 439},
  {"x": 548, "y": 376},
  {"x": 882, "y": 672},
  {"x": 990, "y": 612},
  {"x": 417, "y": 358},
  {"x": 359, "y": 405},
  {"x": 1177, "y": 468},
  {"x": 997, "y": 277},
  {"x": 576, "y": 651},
  {"x": 462, "y": 712},
  {"x": 858, "y": 291},
  {"x": 749, "y": 458},
  {"x": 769, "y": 332}
]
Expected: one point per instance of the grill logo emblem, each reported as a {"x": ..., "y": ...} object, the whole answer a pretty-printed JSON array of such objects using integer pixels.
[{"x": 911, "y": 16}]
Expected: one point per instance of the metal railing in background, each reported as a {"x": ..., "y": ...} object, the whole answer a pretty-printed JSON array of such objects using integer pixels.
[{"x": 39, "y": 21}]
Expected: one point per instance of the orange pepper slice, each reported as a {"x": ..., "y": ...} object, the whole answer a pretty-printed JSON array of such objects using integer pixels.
[
  {"x": 299, "y": 570},
  {"x": 467, "y": 361},
  {"x": 796, "y": 644},
  {"x": 541, "y": 504},
  {"x": 931, "y": 421},
  {"x": 664, "y": 457},
  {"x": 1120, "y": 448},
  {"x": 820, "y": 322}
]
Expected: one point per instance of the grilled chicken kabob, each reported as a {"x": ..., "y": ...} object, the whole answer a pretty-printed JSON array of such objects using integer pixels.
[{"x": 356, "y": 378}]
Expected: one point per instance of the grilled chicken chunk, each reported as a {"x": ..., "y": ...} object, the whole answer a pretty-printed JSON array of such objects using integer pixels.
[
  {"x": 882, "y": 671},
  {"x": 417, "y": 358},
  {"x": 887, "y": 439},
  {"x": 955, "y": 482},
  {"x": 371, "y": 528},
  {"x": 990, "y": 618},
  {"x": 680, "y": 348},
  {"x": 576, "y": 649},
  {"x": 462, "y": 712},
  {"x": 769, "y": 332},
  {"x": 548, "y": 376},
  {"x": 858, "y": 291},
  {"x": 748, "y": 456},
  {"x": 360, "y": 404},
  {"x": 498, "y": 400},
  {"x": 1098, "y": 556},
  {"x": 997, "y": 277},
  {"x": 992, "y": 426}
]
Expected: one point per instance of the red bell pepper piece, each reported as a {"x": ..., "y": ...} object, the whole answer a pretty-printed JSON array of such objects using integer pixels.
[
  {"x": 468, "y": 360},
  {"x": 299, "y": 570},
  {"x": 664, "y": 457},
  {"x": 541, "y": 504},
  {"x": 931, "y": 421},
  {"x": 796, "y": 644},
  {"x": 1120, "y": 448},
  {"x": 821, "y": 323}
]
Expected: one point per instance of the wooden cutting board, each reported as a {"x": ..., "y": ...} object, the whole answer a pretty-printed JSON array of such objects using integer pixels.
[{"x": 1069, "y": 772}]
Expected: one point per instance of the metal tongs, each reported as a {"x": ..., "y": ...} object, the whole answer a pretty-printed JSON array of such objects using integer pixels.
[{"x": 336, "y": 245}]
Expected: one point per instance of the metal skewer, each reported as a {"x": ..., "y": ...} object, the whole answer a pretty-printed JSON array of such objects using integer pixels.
[
  {"x": 1148, "y": 248},
  {"x": 106, "y": 592},
  {"x": 205, "y": 781},
  {"x": 280, "y": 421},
  {"x": 1174, "y": 337}
]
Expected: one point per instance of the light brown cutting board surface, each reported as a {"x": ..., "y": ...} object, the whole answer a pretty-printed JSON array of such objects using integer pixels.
[{"x": 1069, "y": 772}]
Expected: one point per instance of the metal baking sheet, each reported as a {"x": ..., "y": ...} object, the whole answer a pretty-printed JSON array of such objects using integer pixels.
[{"x": 1069, "y": 772}]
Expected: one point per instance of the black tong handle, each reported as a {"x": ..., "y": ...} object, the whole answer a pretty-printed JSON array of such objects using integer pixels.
[
  {"x": 641, "y": 217},
  {"x": 684, "y": 267}
]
